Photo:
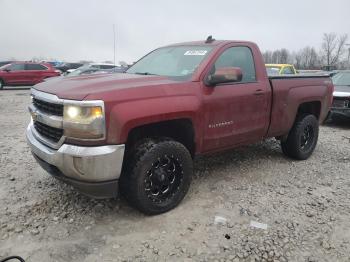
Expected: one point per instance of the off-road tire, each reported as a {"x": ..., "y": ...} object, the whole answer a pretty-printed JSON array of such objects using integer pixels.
[
  {"x": 138, "y": 163},
  {"x": 292, "y": 146}
]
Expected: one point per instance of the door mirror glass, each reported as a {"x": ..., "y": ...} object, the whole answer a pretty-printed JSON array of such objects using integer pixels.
[{"x": 225, "y": 75}]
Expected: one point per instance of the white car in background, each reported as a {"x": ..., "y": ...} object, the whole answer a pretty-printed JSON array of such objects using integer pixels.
[
  {"x": 93, "y": 66},
  {"x": 341, "y": 94}
]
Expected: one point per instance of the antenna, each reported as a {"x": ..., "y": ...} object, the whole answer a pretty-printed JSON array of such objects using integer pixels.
[
  {"x": 348, "y": 54},
  {"x": 209, "y": 40},
  {"x": 114, "y": 44}
]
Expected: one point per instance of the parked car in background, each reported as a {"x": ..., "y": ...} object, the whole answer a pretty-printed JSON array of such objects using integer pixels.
[
  {"x": 85, "y": 71},
  {"x": 117, "y": 69},
  {"x": 25, "y": 73},
  {"x": 341, "y": 94},
  {"x": 312, "y": 71},
  {"x": 68, "y": 66},
  {"x": 78, "y": 72},
  {"x": 99, "y": 66},
  {"x": 89, "y": 71},
  {"x": 53, "y": 63},
  {"x": 333, "y": 73},
  {"x": 2, "y": 63},
  {"x": 280, "y": 69}
]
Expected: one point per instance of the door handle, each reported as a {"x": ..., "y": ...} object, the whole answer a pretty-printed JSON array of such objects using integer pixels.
[{"x": 259, "y": 92}]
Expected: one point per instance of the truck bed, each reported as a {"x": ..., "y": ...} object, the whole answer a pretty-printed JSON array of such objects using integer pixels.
[
  {"x": 298, "y": 76},
  {"x": 287, "y": 94}
]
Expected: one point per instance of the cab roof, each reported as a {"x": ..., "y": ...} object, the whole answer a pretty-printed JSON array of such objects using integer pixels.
[{"x": 212, "y": 43}]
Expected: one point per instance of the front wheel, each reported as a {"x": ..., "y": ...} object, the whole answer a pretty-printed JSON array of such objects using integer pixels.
[
  {"x": 157, "y": 175},
  {"x": 302, "y": 138}
]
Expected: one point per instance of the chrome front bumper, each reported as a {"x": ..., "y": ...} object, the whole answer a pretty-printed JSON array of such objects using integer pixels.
[
  {"x": 341, "y": 111},
  {"x": 78, "y": 163}
]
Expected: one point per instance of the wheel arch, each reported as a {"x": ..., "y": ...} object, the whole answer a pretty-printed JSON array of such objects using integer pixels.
[
  {"x": 180, "y": 130},
  {"x": 310, "y": 107}
]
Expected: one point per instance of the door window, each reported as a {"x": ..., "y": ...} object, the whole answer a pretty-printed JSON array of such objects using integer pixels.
[
  {"x": 35, "y": 67},
  {"x": 239, "y": 56},
  {"x": 16, "y": 67}
]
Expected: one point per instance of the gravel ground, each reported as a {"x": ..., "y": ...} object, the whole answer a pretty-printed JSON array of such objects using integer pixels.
[{"x": 305, "y": 205}]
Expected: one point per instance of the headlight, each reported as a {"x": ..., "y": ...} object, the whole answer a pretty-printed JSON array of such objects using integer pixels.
[{"x": 84, "y": 121}]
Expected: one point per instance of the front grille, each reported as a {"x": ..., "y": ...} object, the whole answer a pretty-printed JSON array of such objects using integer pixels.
[
  {"x": 47, "y": 107},
  {"x": 340, "y": 103},
  {"x": 51, "y": 133}
]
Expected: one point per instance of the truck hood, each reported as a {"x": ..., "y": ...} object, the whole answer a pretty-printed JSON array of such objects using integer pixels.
[
  {"x": 341, "y": 91},
  {"x": 79, "y": 87}
]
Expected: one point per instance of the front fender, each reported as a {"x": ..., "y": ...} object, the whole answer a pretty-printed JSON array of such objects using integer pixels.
[{"x": 130, "y": 114}]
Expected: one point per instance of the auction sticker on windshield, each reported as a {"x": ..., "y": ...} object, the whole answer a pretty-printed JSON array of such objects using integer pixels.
[{"x": 196, "y": 52}]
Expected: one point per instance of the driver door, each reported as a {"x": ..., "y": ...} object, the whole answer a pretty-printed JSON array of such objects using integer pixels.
[{"x": 235, "y": 112}]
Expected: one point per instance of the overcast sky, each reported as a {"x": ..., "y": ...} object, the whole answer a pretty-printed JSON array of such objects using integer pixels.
[{"x": 83, "y": 29}]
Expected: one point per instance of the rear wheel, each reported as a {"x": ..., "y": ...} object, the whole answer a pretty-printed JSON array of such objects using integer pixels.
[
  {"x": 302, "y": 139},
  {"x": 1, "y": 84},
  {"x": 157, "y": 175}
]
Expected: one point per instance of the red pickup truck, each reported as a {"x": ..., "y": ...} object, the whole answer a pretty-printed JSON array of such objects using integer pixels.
[{"x": 138, "y": 131}]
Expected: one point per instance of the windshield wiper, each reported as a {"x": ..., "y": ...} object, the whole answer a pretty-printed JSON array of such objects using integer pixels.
[{"x": 145, "y": 73}]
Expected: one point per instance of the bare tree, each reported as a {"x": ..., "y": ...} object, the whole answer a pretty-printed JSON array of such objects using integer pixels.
[
  {"x": 333, "y": 48},
  {"x": 284, "y": 56},
  {"x": 280, "y": 56},
  {"x": 307, "y": 58},
  {"x": 297, "y": 60},
  {"x": 267, "y": 55},
  {"x": 276, "y": 57}
]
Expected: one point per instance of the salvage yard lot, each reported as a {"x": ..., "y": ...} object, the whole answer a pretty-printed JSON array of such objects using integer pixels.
[{"x": 305, "y": 204}]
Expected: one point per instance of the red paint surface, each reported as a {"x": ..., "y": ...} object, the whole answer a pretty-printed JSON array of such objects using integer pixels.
[
  {"x": 27, "y": 77},
  {"x": 250, "y": 111}
]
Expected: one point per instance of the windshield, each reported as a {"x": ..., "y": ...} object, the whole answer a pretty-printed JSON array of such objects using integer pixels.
[
  {"x": 341, "y": 79},
  {"x": 174, "y": 61},
  {"x": 272, "y": 70}
]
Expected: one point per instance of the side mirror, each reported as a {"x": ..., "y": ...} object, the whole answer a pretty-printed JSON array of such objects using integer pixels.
[
  {"x": 225, "y": 75},
  {"x": 7, "y": 70}
]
